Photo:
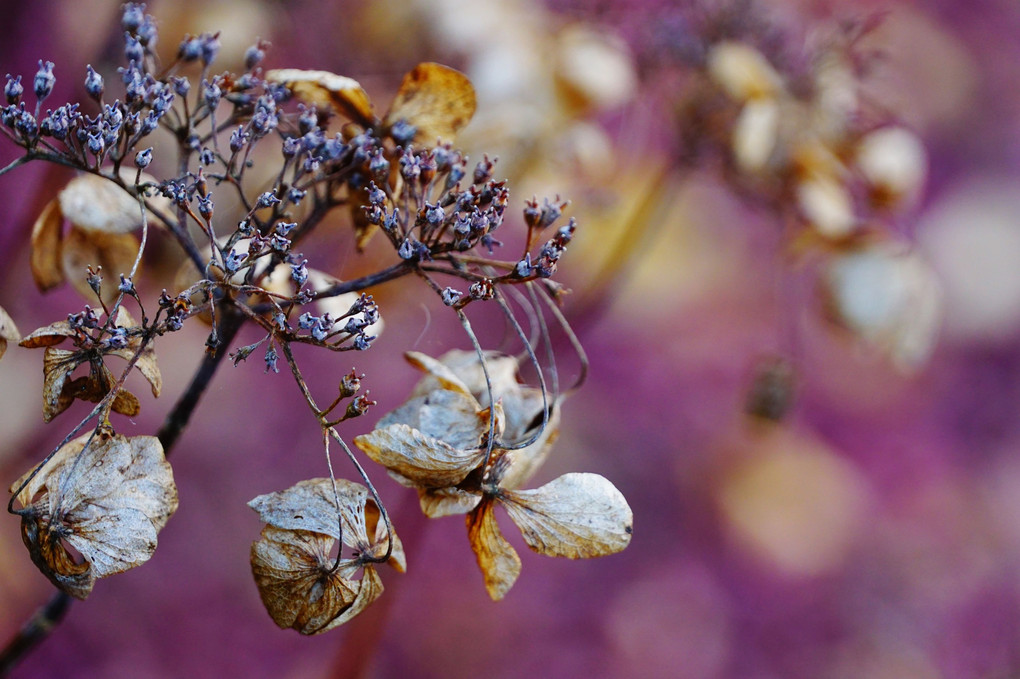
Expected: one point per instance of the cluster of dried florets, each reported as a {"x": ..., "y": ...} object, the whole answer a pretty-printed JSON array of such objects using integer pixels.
[
  {"x": 468, "y": 437},
  {"x": 795, "y": 131}
]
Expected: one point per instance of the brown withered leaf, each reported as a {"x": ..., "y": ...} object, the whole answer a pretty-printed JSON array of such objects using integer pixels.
[
  {"x": 437, "y": 502},
  {"x": 438, "y": 100},
  {"x": 577, "y": 516},
  {"x": 107, "y": 500},
  {"x": 48, "y": 336},
  {"x": 147, "y": 363},
  {"x": 59, "y": 392},
  {"x": 114, "y": 252},
  {"x": 8, "y": 331},
  {"x": 46, "y": 247},
  {"x": 292, "y": 569},
  {"x": 95, "y": 204},
  {"x": 326, "y": 91},
  {"x": 496, "y": 557},
  {"x": 424, "y": 461},
  {"x": 301, "y": 585}
]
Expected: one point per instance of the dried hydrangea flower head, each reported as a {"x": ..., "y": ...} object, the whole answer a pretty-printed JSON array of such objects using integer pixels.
[
  {"x": 302, "y": 586},
  {"x": 107, "y": 496},
  {"x": 438, "y": 443}
]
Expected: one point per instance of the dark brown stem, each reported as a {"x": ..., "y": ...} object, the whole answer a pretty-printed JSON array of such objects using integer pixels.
[
  {"x": 35, "y": 630},
  {"x": 48, "y": 616},
  {"x": 178, "y": 418}
]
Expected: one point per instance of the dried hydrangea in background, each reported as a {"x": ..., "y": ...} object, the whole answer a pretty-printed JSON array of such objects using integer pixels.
[{"x": 241, "y": 172}]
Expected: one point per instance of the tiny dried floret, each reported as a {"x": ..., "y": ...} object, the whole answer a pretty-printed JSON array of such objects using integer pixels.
[
  {"x": 107, "y": 498},
  {"x": 301, "y": 585}
]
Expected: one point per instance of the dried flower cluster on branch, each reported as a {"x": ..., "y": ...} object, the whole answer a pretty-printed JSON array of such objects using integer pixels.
[{"x": 470, "y": 433}]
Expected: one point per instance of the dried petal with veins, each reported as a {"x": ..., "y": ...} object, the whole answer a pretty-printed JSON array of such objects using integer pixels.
[
  {"x": 301, "y": 585},
  {"x": 8, "y": 331},
  {"x": 437, "y": 100},
  {"x": 98, "y": 205},
  {"x": 578, "y": 516},
  {"x": 115, "y": 252},
  {"x": 108, "y": 500},
  {"x": 46, "y": 245},
  {"x": 325, "y": 91},
  {"x": 496, "y": 557},
  {"x": 424, "y": 461}
]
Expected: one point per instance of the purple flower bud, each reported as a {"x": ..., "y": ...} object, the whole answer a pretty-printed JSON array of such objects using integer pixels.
[
  {"x": 299, "y": 272},
  {"x": 306, "y": 321},
  {"x": 406, "y": 250},
  {"x": 13, "y": 90},
  {"x": 238, "y": 138},
  {"x": 95, "y": 143},
  {"x": 181, "y": 85},
  {"x": 93, "y": 83},
  {"x": 296, "y": 196},
  {"x": 190, "y": 49},
  {"x": 451, "y": 296},
  {"x": 403, "y": 132},
  {"x": 253, "y": 55},
  {"x": 363, "y": 342},
  {"x": 379, "y": 167},
  {"x": 266, "y": 199},
  {"x": 133, "y": 50},
  {"x": 210, "y": 46},
  {"x": 271, "y": 358},
  {"x": 134, "y": 14},
  {"x": 291, "y": 146},
  {"x": 212, "y": 93},
  {"x": 376, "y": 196},
  {"x": 44, "y": 80},
  {"x": 434, "y": 214},
  {"x": 150, "y": 123},
  {"x": 147, "y": 32},
  {"x": 205, "y": 207}
]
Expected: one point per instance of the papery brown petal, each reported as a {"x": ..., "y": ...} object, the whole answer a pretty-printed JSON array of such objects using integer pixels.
[
  {"x": 437, "y": 502},
  {"x": 107, "y": 499},
  {"x": 425, "y": 461},
  {"x": 58, "y": 364},
  {"x": 146, "y": 364},
  {"x": 496, "y": 557},
  {"x": 292, "y": 573},
  {"x": 8, "y": 331},
  {"x": 577, "y": 516},
  {"x": 326, "y": 91},
  {"x": 439, "y": 101},
  {"x": 370, "y": 590},
  {"x": 97, "y": 204},
  {"x": 445, "y": 377},
  {"x": 46, "y": 241},
  {"x": 124, "y": 403},
  {"x": 523, "y": 462},
  {"x": 455, "y": 419},
  {"x": 115, "y": 252},
  {"x": 48, "y": 336},
  {"x": 311, "y": 506}
]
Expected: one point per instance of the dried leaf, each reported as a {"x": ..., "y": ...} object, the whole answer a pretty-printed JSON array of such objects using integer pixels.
[
  {"x": 292, "y": 565},
  {"x": 445, "y": 376},
  {"x": 425, "y": 461},
  {"x": 498, "y": 560},
  {"x": 292, "y": 569},
  {"x": 437, "y": 502},
  {"x": 96, "y": 204},
  {"x": 8, "y": 331},
  {"x": 114, "y": 252},
  {"x": 58, "y": 364},
  {"x": 107, "y": 500},
  {"x": 437, "y": 100},
  {"x": 48, "y": 336},
  {"x": 326, "y": 91},
  {"x": 46, "y": 245},
  {"x": 577, "y": 516}
]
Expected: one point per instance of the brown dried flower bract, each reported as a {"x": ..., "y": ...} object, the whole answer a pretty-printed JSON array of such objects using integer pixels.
[
  {"x": 437, "y": 100},
  {"x": 301, "y": 585},
  {"x": 102, "y": 217},
  {"x": 107, "y": 499},
  {"x": 437, "y": 443},
  {"x": 8, "y": 331},
  {"x": 59, "y": 391},
  {"x": 326, "y": 91}
]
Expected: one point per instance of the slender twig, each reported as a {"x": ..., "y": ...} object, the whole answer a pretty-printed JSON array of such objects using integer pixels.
[{"x": 34, "y": 631}]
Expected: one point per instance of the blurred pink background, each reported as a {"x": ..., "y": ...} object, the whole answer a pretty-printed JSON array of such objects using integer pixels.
[{"x": 873, "y": 533}]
